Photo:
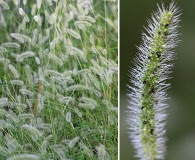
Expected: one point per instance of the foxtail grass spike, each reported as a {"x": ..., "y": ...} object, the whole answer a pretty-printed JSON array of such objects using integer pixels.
[{"x": 146, "y": 110}]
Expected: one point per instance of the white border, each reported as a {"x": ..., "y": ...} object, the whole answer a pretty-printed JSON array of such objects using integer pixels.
[{"x": 118, "y": 79}]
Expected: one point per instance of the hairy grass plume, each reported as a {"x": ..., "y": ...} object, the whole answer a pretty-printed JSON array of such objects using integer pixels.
[{"x": 147, "y": 107}]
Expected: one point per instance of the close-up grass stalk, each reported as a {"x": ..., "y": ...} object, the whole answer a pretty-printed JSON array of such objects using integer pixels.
[{"x": 147, "y": 105}]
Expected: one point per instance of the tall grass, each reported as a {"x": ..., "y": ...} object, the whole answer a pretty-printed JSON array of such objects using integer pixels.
[{"x": 58, "y": 80}]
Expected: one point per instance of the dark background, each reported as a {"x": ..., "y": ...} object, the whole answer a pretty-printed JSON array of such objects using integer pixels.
[{"x": 181, "y": 120}]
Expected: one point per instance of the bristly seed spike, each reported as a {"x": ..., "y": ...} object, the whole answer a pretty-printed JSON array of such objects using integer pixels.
[{"x": 148, "y": 83}]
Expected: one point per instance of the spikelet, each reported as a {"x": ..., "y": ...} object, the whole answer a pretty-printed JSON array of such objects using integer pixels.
[
  {"x": 73, "y": 33},
  {"x": 2, "y": 49},
  {"x": 22, "y": 26},
  {"x": 38, "y": 19},
  {"x": 24, "y": 55},
  {"x": 114, "y": 109},
  {"x": 3, "y": 112},
  {"x": 87, "y": 18},
  {"x": 14, "y": 55},
  {"x": 44, "y": 82},
  {"x": 4, "y": 151},
  {"x": 37, "y": 60},
  {"x": 13, "y": 71},
  {"x": 21, "y": 37},
  {"x": 68, "y": 80},
  {"x": 4, "y": 5},
  {"x": 5, "y": 61},
  {"x": 55, "y": 59},
  {"x": 39, "y": 2},
  {"x": 24, "y": 15},
  {"x": 101, "y": 152},
  {"x": 17, "y": 82},
  {"x": 18, "y": 98},
  {"x": 49, "y": 17},
  {"x": 33, "y": 10},
  {"x": 94, "y": 80},
  {"x": 57, "y": 80},
  {"x": 66, "y": 99},
  {"x": 49, "y": 137},
  {"x": 61, "y": 154},
  {"x": 11, "y": 143},
  {"x": 88, "y": 103},
  {"x": 86, "y": 106},
  {"x": 41, "y": 75},
  {"x": 82, "y": 23},
  {"x": 68, "y": 43},
  {"x": 52, "y": 73},
  {"x": 111, "y": 120},
  {"x": 16, "y": 2},
  {"x": 85, "y": 149},
  {"x": 107, "y": 103},
  {"x": 40, "y": 104},
  {"x": 45, "y": 144},
  {"x": 6, "y": 103},
  {"x": 29, "y": 103},
  {"x": 35, "y": 133},
  {"x": 68, "y": 117},
  {"x": 29, "y": 73},
  {"x": 74, "y": 50},
  {"x": 67, "y": 73},
  {"x": 12, "y": 116},
  {"x": 24, "y": 2},
  {"x": 60, "y": 89},
  {"x": 59, "y": 32},
  {"x": 3, "y": 99},
  {"x": 26, "y": 92},
  {"x": 53, "y": 43},
  {"x": 93, "y": 48},
  {"x": 96, "y": 68},
  {"x": 80, "y": 114},
  {"x": 73, "y": 141},
  {"x": 20, "y": 106},
  {"x": 45, "y": 127},
  {"x": 4, "y": 124},
  {"x": 35, "y": 36},
  {"x": 44, "y": 40},
  {"x": 25, "y": 157},
  {"x": 26, "y": 116},
  {"x": 3, "y": 21},
  {"x": 10, "y": 45},
  {"x": 109, "y": 21},
  {"x": 109, "y": 76},
  {"x": 84, "y": 6},
  {"x": 77, "y": 87}
]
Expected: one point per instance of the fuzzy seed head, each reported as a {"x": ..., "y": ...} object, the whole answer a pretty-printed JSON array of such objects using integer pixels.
[{"x": 146, "y": 114}]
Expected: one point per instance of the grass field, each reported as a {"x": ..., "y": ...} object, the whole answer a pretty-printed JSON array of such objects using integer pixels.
[{"x": 58, "y": 80}]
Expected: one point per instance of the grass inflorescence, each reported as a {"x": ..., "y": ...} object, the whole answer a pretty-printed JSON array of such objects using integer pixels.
[{"x": 148, "y": 90}]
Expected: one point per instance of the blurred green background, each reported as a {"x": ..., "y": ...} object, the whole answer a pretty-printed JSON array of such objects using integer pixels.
[{"x": 181, "y": 121}]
